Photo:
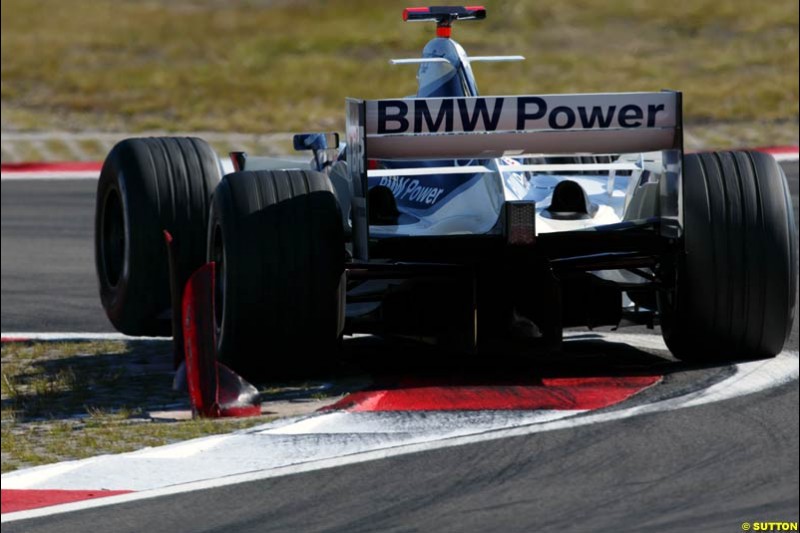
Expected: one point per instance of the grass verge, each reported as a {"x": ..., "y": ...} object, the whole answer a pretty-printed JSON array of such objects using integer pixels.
[{"x": 64, "y": 401}]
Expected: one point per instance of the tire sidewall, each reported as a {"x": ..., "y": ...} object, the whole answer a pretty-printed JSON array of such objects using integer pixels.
[
  {"x": 142, "y": 275},
  {"x": 221, "y": 220}
]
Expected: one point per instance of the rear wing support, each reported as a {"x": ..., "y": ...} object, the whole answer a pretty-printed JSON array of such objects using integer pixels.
[{"x": 507, "y": 126}]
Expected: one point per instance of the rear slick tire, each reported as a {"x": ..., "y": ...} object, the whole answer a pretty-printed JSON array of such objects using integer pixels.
[
  {"x": 736, "y": 283},
  {"x": 277, "y": 239}
]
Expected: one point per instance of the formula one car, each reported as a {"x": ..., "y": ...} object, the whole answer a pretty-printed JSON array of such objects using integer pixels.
[{"x": 469, "y": 222}]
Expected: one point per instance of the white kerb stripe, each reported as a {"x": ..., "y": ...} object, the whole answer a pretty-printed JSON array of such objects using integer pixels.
[
  {"x": 51, "y": 175},
  {"x": 76, "y": 336}
]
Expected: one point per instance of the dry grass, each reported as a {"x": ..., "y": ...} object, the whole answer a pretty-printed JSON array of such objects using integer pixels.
[
  {"x": 64, "y": 401},
  {"x": 43, "y": 442},
  {"x": 261, "y": 66}
]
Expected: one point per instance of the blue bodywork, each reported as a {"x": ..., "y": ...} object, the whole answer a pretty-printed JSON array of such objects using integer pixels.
[{"x": 421, "y": 195}]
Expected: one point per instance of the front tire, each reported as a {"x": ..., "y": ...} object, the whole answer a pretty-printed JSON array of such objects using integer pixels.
[
  {"x": 735, "y": 294},
  {"x": 147, "y": 186}
]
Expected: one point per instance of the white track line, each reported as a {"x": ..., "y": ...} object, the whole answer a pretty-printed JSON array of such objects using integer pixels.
[
  {"x": 785, "y": 156},
  {"x": 23, "y": 336},
  {"x": 74, "y": 336},
  {"x": 50, "y": 176},
  {"x": 357, "y": 447}
]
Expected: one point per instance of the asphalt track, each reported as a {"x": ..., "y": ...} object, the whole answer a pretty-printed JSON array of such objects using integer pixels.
[{"x": 706, "y": 468}]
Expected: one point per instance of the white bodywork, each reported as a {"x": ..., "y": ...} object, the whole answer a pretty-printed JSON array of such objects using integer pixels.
[{"x": 476, "y": 208}]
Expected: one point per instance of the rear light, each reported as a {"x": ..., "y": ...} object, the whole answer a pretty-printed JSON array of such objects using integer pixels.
[{"x": 520, "y": 223}]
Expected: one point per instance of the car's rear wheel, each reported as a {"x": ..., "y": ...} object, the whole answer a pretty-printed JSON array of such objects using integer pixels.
[
  {"x": 736, "y": 285},
  {"x": 277, "y": 240},
  {"x": 147, "y": 186}
]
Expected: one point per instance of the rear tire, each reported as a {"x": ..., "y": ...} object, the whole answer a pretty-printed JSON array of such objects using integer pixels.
[
  {"x": 278, "y": 242},
  {"x": 736, "y": 283},
  {"x": 147, "y": 186}
]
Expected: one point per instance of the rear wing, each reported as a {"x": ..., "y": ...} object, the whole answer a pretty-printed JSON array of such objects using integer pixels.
[{"x": 498, "y": 126}]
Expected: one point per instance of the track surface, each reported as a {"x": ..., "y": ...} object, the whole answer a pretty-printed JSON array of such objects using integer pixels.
[
  {"x": 47, "y": 255},
  {"x": 707, "y": 468}
]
